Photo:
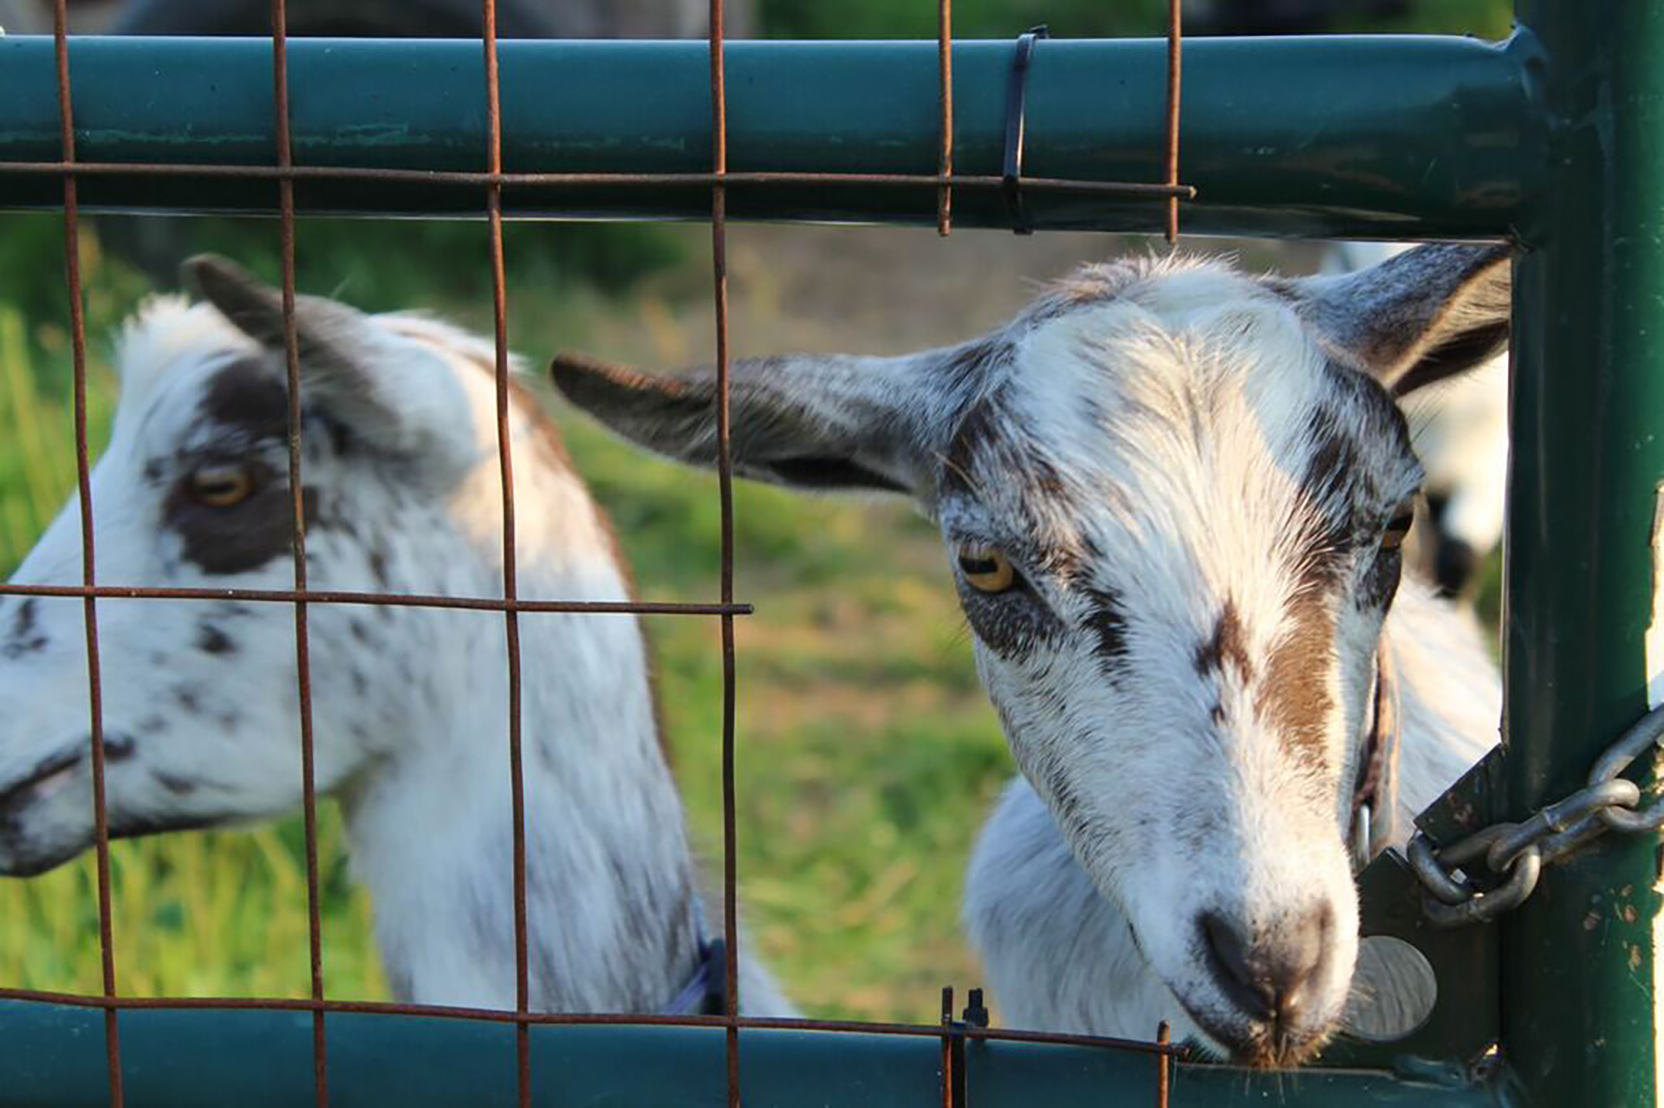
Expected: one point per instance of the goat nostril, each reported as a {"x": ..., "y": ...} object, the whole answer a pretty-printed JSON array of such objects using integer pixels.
[
  {"x": 1234, "y": 968},
  {"x": 118, "y": 746},
  {"x": 1268, "y": 977}
]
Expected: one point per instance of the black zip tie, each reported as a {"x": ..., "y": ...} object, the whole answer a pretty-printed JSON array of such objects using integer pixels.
[{"x": 1016, "y": 106}]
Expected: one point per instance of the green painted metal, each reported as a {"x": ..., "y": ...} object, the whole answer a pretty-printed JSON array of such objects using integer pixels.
[
  {"x": 1578, "y": 986},
  {"x": 1360, "y": 136},
  {"x": 53, "y": 1054},
  {"x": 1465, "y": 1019},
  {"x": 1023, "y": 1075}
]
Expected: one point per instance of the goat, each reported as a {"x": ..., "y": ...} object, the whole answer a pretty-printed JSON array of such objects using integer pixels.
[
  {"x": 402, "y": 495},
  {"x": 1460, "y": 432},
  {"x": 1174, "y": 497}
]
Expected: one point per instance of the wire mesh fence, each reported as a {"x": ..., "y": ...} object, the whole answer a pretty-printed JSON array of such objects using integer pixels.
[{"x": 953, "y": 1031}]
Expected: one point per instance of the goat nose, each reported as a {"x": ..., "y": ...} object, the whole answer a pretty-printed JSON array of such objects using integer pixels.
[{"x": 1270, "y": 975}]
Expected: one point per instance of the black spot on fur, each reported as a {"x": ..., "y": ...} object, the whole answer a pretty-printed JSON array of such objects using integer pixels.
[
  {"x": 1380, "y": 582},
  {"x": 971, "y": 364},
  {"x": 1109, "y": 623},
  {"x": 248, "y": 397},
  {"x": 1225, "y": 646},
  {"x": 189, "y": 698},
  {"x": 178, "y": 786},
  {"x": 26, "y": 636},
  {"x": 211, "y": 640},
  {"x": 1012, "y": 624},
  {"x": 378, "y": 567}
]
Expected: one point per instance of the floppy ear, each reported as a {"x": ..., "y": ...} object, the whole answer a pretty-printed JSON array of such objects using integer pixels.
[
  {"x": 393, "y": 392},
  {"x": 812, "y": 422},
  {"x": 1416, "y": 318}
]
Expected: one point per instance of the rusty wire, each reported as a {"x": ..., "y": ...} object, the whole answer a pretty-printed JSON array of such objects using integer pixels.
[
  {"x": 378, "y": 599},
  {"x": 1164, "y": 1065},
  {"x": 89, "y": 561},
  {"x": 494, "y": 180},
  {"x": 944, "y": 162},
  {"x": 1175, "y": 51},
  {"x": 596, "y": 1019},
  {"x": 1132, "y": 190},
  {"x": 511, "y": 588},
  {"x": 948, "y": 1098},
  {"x": 297, "y": 508},
  {"x": 725, "y": 491}
]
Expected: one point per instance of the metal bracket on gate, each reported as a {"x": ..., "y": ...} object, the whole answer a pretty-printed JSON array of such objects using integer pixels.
[{"x": 1016, "y": 125}]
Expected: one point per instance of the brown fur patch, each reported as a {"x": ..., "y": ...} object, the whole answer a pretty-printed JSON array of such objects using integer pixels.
[{"x": 1294, "y": 697}]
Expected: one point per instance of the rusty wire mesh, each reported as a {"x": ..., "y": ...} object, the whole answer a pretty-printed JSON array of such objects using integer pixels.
[{"x": 952, "y": 1033}]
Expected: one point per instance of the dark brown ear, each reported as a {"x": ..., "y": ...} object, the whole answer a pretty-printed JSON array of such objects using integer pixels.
[
  {"x": 392, "y": 392},
  {"x": 812, "y": 422},
  {"x": 325, "y": 329},
  {"x": 1416, "y": 318}
]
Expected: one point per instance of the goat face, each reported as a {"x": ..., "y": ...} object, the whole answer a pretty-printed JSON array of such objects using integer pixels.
[
  {"x": 1173, "y": 496},
  {"x": 200, "y": 710}
]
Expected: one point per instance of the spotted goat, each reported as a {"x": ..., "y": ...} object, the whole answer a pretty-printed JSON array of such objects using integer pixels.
[
  {"x": 1173, "y": 495},
  {"x": 402, "y": 495}
]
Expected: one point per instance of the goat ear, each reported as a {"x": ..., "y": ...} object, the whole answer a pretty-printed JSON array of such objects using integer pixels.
[
  {"x": 1416, "y": 318},
  {"x": 812, "y": 422},
  {"x": 341, "y": 353},
  {"x": 324, "y": 329}
]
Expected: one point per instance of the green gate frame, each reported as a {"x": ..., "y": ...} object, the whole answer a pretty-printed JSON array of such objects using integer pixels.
[{"x": 1554, "y": 139}]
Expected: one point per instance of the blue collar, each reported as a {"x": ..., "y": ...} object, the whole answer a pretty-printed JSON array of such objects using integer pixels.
[{"x": 706, "y": 993}]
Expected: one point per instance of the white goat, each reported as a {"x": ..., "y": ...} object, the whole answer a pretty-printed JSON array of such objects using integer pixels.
[
  {"x": 1460, "y": 433},
  {"x": 403, "y": 495},
  {"x": 1174, "y": 496}
]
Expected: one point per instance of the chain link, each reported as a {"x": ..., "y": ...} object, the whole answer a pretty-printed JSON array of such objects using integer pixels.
[{"x": 1492, "y": 871}]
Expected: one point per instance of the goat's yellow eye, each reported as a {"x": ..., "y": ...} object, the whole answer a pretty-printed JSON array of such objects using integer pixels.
[
  {"x": 221, "y": 486},
  {"x": 986, "y": 569},
  {"x": 1393, "y": 537}
]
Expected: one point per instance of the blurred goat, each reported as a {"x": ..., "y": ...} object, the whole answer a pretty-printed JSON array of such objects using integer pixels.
[{"x": 402, "y": 495}]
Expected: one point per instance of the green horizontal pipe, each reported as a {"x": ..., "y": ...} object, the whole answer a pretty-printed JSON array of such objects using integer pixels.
[
  {"x": 54, "y": 1055},
  {"x": 1383, "y": 136}
]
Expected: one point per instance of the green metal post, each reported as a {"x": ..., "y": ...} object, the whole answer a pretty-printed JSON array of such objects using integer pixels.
[{"x": 1578, "y": 987}]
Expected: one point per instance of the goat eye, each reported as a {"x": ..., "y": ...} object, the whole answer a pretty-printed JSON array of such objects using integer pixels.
[
  {"x": 1393, "y": 537},
  {"x": 221, "y": 486},
  {"x": 986, "y": 569}
]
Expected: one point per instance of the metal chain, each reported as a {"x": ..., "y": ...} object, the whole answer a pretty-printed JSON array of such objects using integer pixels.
[{"x": 1457, "y": 891}]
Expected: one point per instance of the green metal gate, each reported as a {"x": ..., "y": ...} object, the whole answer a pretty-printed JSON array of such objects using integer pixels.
[{"x": 1553, "y": 140}]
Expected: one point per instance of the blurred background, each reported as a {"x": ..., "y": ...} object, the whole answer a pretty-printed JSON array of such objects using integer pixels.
[{"x": 867, "y": 753}]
